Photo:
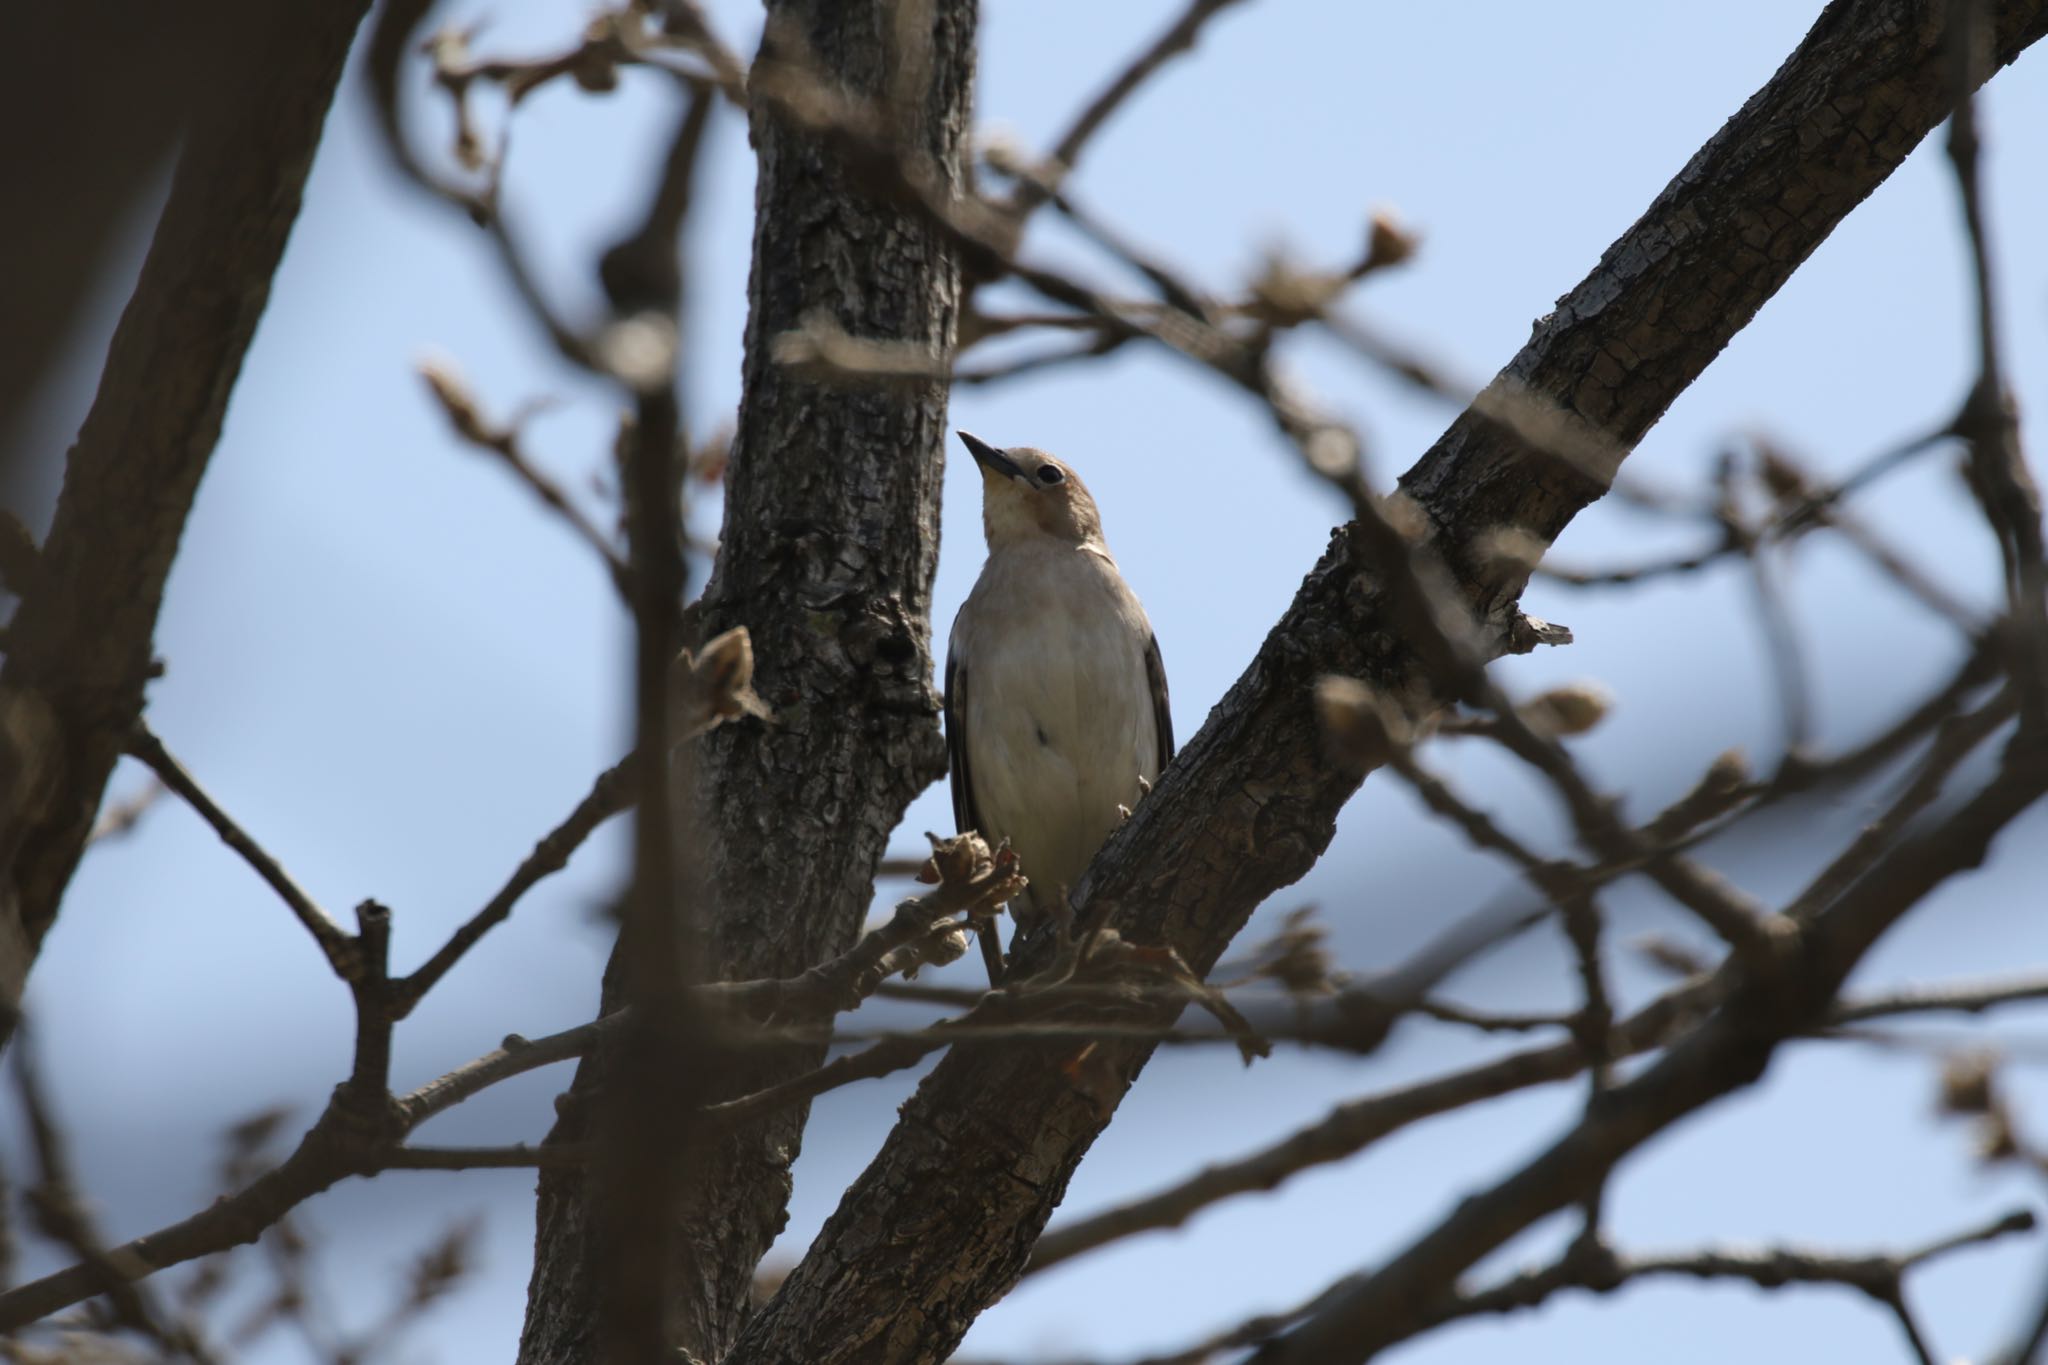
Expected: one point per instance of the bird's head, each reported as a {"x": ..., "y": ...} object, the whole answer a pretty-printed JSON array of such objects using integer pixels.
[{"x": 1026, "y": 493}]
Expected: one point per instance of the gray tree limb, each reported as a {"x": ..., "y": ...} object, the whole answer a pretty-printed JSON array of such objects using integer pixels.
[{"x": 984, "y": 1150}]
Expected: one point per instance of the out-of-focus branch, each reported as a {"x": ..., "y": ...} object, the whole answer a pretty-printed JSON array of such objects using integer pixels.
[
  {"x": 79, "y": 645},
  {"x": 61, "y": 1212},
  {"x": 1594, "y": 1266},
  {"x": 1880, "y": 1276},
  {"x": 1729, "y": 1051},
  {"x": 1989, "y": 420},
  {"x": 1179, "y": 37},
  {"x": 1356, "y": 1125},
  {"x": 360, "y": 1125},
  {"x": 464, "y": 414},
  {"x": 1954, "y": 741},
  {"x": 644, "y": 1127}
]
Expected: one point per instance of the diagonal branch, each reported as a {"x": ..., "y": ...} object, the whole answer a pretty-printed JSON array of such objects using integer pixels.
[
  {"x": 984, "y": 1150},
  {"x": 1727, "y": 1053},
  {"x": 610, "y": 794}
]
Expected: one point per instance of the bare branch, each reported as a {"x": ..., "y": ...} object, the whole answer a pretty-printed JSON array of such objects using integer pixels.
[
  {"x": 1972, "y": 997},
  {"x": 1878, "y": 1275},
  {"x": 1988, "y": 423},
  {"x": 464, "y": 414},
  {"x": 61, "y": 1212},
  {"x": 1353, "y": 1126},
  {"x": 334, "y": 942},
  {"x": 610, "y": 794},
  {"x": 1179, "y": 37},
  {"x": 1726, "y": 1053}
]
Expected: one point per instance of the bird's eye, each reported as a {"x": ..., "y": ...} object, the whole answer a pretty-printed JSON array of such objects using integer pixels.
[{"x": 1050, "y": 475}]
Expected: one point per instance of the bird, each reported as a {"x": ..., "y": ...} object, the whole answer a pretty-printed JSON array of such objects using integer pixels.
[{"x": 1055, "y": 696}]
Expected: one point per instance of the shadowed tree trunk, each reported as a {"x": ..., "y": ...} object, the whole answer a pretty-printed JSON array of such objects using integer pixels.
[
  {"x": 79, "y": 647},
  {"x": 827, "y": 556}
]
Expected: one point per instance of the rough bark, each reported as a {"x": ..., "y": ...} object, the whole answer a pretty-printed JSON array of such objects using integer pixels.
[
  {"x": 79, "y": 647},
  {"x": 944, "y": 1218},
  {"x": 828, "y": 551}
]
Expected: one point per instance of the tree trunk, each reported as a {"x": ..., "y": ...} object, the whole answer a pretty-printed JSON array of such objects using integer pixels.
[
  {"x": 984, "y": 1150},
  {"x": 827, "y": 556}
]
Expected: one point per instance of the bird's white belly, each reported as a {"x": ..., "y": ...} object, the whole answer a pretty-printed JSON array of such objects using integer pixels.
[{"x": 1060, "y": 732}]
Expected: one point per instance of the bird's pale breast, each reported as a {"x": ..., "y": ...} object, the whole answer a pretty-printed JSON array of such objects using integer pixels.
[{"x": 1059, "y": 715}]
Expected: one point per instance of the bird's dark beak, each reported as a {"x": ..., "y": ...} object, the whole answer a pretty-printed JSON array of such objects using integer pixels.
[{"x": 989, "y": 458}]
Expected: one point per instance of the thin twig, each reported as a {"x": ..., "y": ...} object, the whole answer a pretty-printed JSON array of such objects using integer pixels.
[
  {"x": 1179, "y": 37},
  {"x": 1879, "y": 1275},
  {"x": 334, "y": 941},
  {"x": 514, "y": 1057},
  {"x": 464, "y": 414},
  {"x": 610, "y": 794},
  {"x": 1353, "y": 1126}
]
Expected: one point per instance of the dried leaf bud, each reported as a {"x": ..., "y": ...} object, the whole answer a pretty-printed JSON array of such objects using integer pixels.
[
  {"x": 942, "y": 949},
  {"x": 1285, "y": 295},
  {"x": 959, "y": 858},
  {"x": 1728, "y": 771},
  {"x": 1996, "y": 1140},
  {"x": 1387, "y": 242},
  {"x": 1569, "y": 710},
  {"x": 1780, "y": 473},
  {"x": 716, "y": 684},
  {"x": 453, "y": 394},
  {"x": 1969, "y": 1083},
  {"x": 1680, "y": 959}
]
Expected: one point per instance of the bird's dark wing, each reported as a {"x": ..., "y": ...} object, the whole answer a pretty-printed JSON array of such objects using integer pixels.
[
  {"x": 1162, "y": 715},
  {"x": 964, "y": 814}
]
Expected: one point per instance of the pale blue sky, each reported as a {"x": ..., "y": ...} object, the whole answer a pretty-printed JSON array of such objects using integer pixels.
[{"x": 399, "y": 671}]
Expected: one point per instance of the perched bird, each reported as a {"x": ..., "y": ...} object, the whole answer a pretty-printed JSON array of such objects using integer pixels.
[{"x": 1056, "y": 719}]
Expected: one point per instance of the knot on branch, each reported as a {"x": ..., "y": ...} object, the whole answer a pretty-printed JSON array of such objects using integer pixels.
[{"x": 361, "y": 1125}]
